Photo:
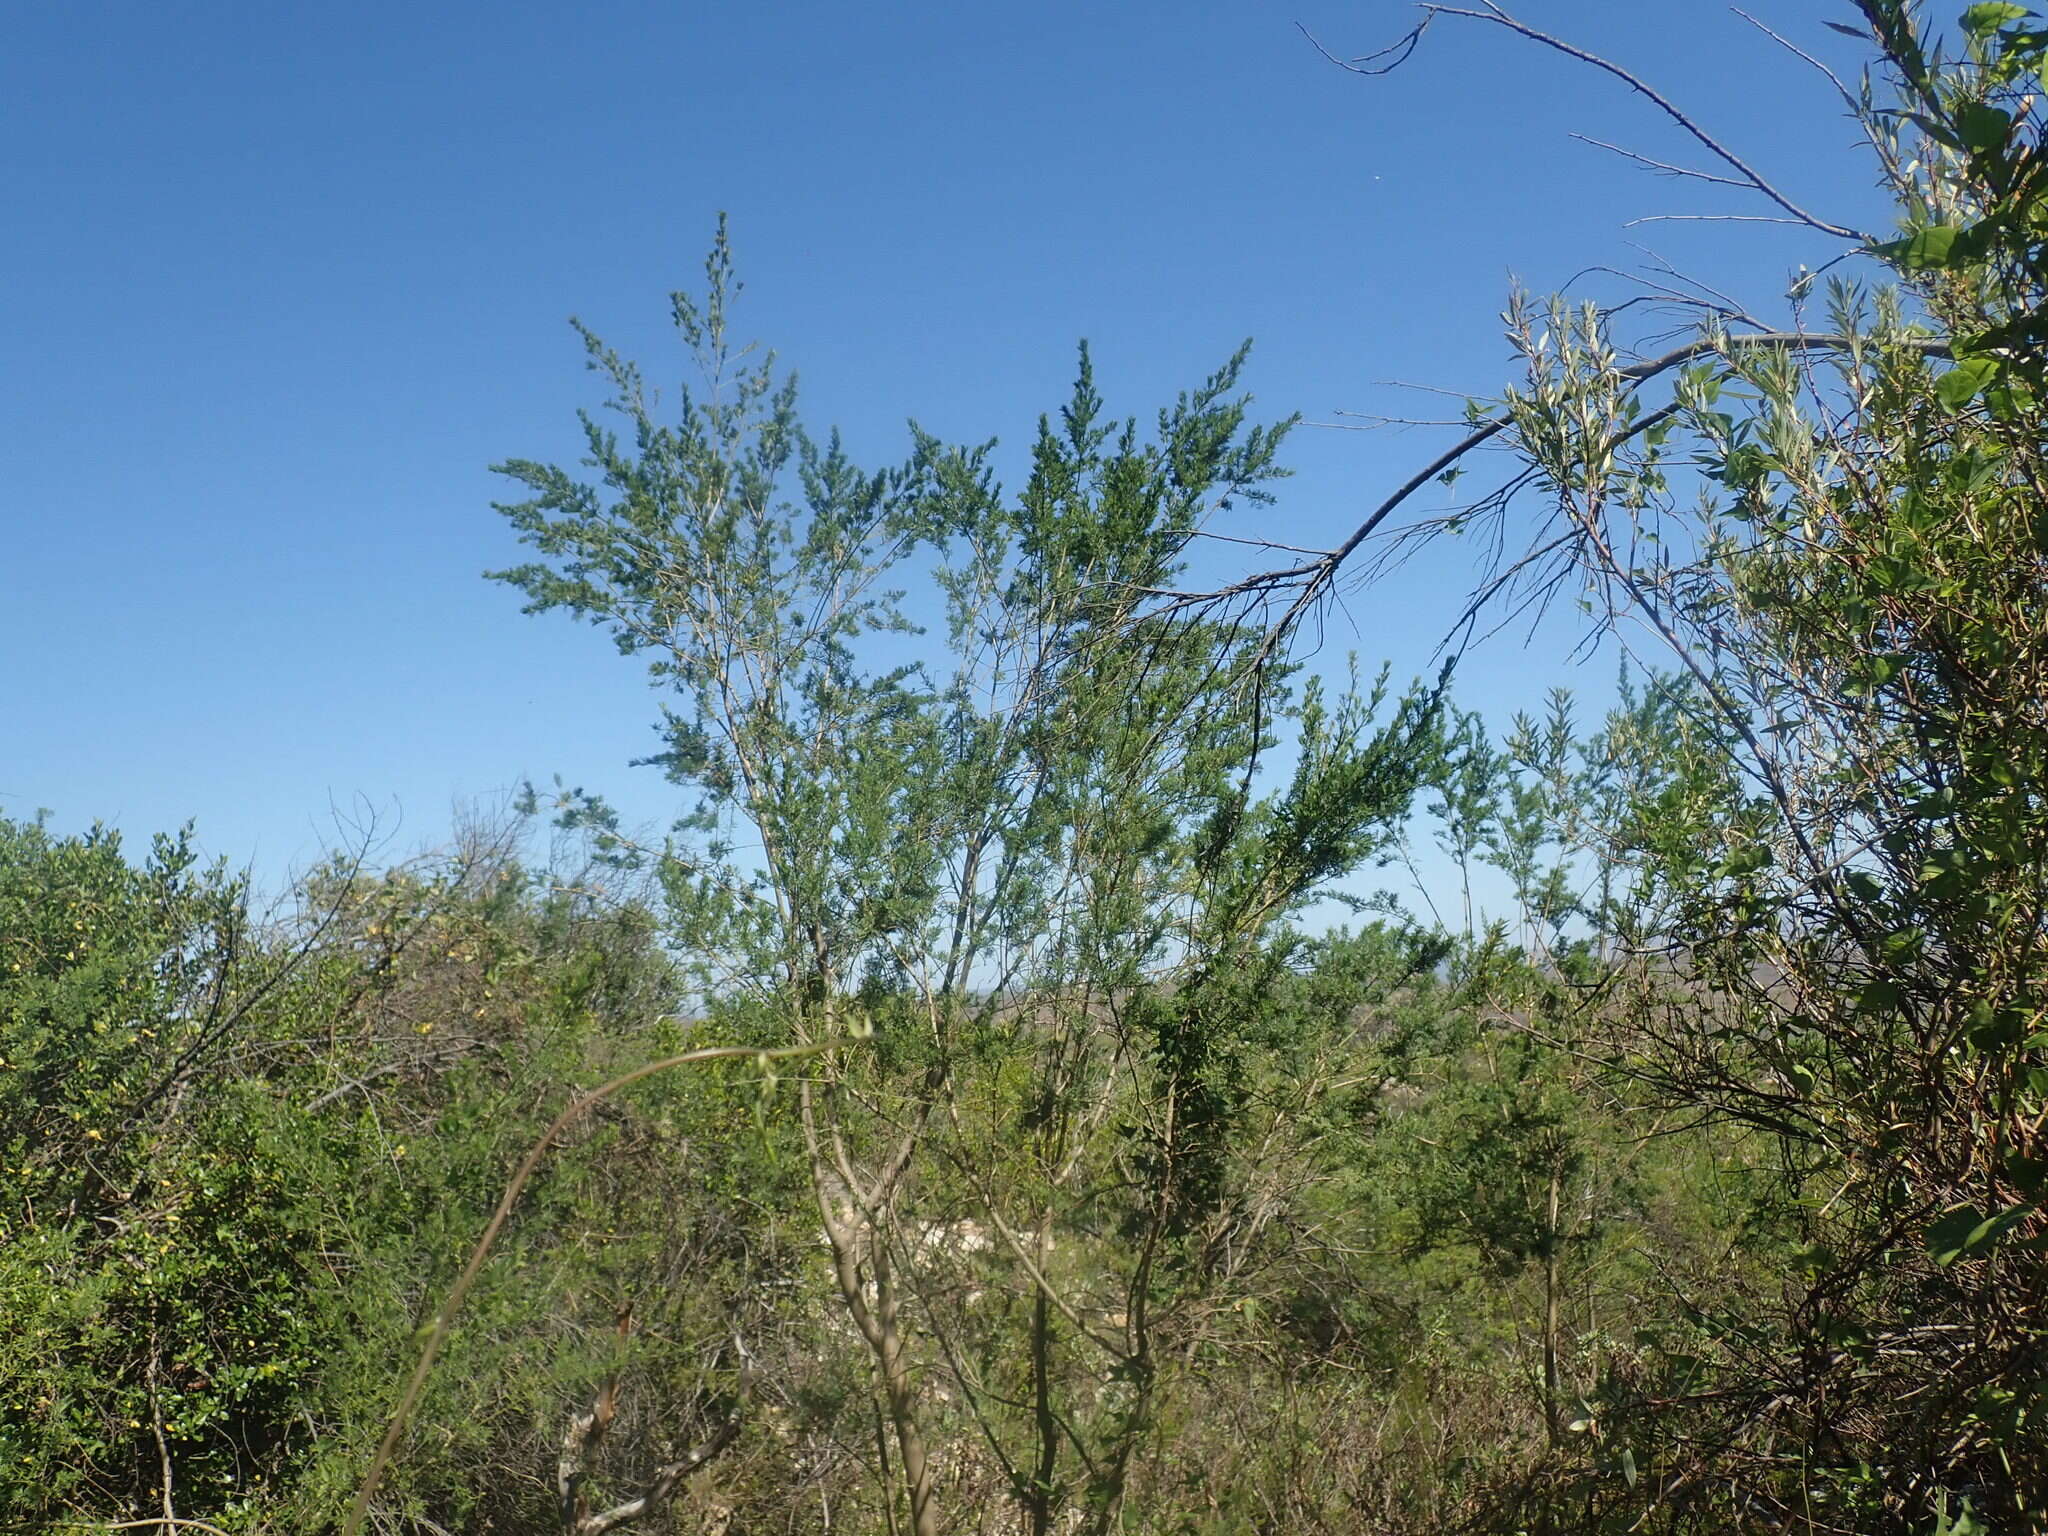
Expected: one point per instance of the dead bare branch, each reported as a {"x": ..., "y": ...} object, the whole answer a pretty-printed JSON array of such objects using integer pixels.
[
  {"x": 1395, "y": 53},
  {"x": 1499, "y": 17},
  {"x": 1661, "y": 167},
  {"x": 581, "y": 1440}
]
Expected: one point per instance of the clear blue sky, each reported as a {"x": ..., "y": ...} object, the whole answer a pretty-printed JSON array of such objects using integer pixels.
[{"x": 280, "y": 282}]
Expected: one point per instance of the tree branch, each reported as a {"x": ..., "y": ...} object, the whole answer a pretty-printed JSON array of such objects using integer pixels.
[
  {"x": 660, "y": 1488},
  {"x": 1493, "y": 13},
  {"x": 1311, "y": 580}
]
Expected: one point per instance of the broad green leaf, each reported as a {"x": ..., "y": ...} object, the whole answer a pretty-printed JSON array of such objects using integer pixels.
[
  {"x": 2010, "y": 402},
  {"x": 1982, "y": 128},
  {"x": 1983, "y": 20},
  {"x": 1924, "y": 250},
  {"x": 1947, "y": 1237},
  {"x": 1995, "y": 1029},
  {"x": 1965, "y": 1232},
  {"x": 1960, "y": 385},
  {"x": 2029, "y": 1173}
]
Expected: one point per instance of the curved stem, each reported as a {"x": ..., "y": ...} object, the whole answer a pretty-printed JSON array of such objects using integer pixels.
[{"x": 437, "y": 1330}]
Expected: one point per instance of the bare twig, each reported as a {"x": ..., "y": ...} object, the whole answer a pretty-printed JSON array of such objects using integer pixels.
[
  {"x": 1709, "y": 218},
  {"x": 1490, "y": 12},
  {"x": 661, "y": 1488},
  {"x": 156, "y": 1424},
  {"x": 1663, "y": 168},
  {"x": 1712, "y": 145},
  {"x": 1848, "y": 96},
  {"x": 587, "y": 1429},
  {"x": 1395, "y": 53},
  {"x": 453, "y": 1052},
  {"x": 1204, "y": 533}
]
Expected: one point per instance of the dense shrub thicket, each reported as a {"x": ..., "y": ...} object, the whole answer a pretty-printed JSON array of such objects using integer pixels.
[
  {"x": 1071, "y": 1173},
  {"x": 217, "y": 1286}
]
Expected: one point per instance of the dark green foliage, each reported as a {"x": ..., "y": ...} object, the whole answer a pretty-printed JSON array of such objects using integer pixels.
[
  {"x": 222, "y": 1275},
  {"x": 148, "y": 1291},
  {"x": 1821, "y": 857}
]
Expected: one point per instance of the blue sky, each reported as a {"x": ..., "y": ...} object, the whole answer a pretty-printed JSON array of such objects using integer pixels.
[{"x": 281, "y": 282}]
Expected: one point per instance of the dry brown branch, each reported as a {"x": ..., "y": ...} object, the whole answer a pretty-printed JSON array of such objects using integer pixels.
[
  {"x": 661, "y": 1488},
  {"x": 1493, "y": 13},
  {"x": 1661, "y": 167},
  {"x": 1395, "y": 54},
  {"x": 581, "y": 1440}
]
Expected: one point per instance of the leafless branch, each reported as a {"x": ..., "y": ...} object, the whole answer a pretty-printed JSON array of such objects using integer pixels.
[
  {"x": 1395, "y": 53},
  {"x": 1848, "y": 96},
  {"x": 1663, "y": 168},
  {"x": 453, "y": 1051},
  {"x": 662, "y": 1487},
  {"x": 585, "y": 1432},
  {"x": 1204, "y": 533},
  {"x": 1490, "y": 12},
  {"x": 1710, "y": 218}
]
